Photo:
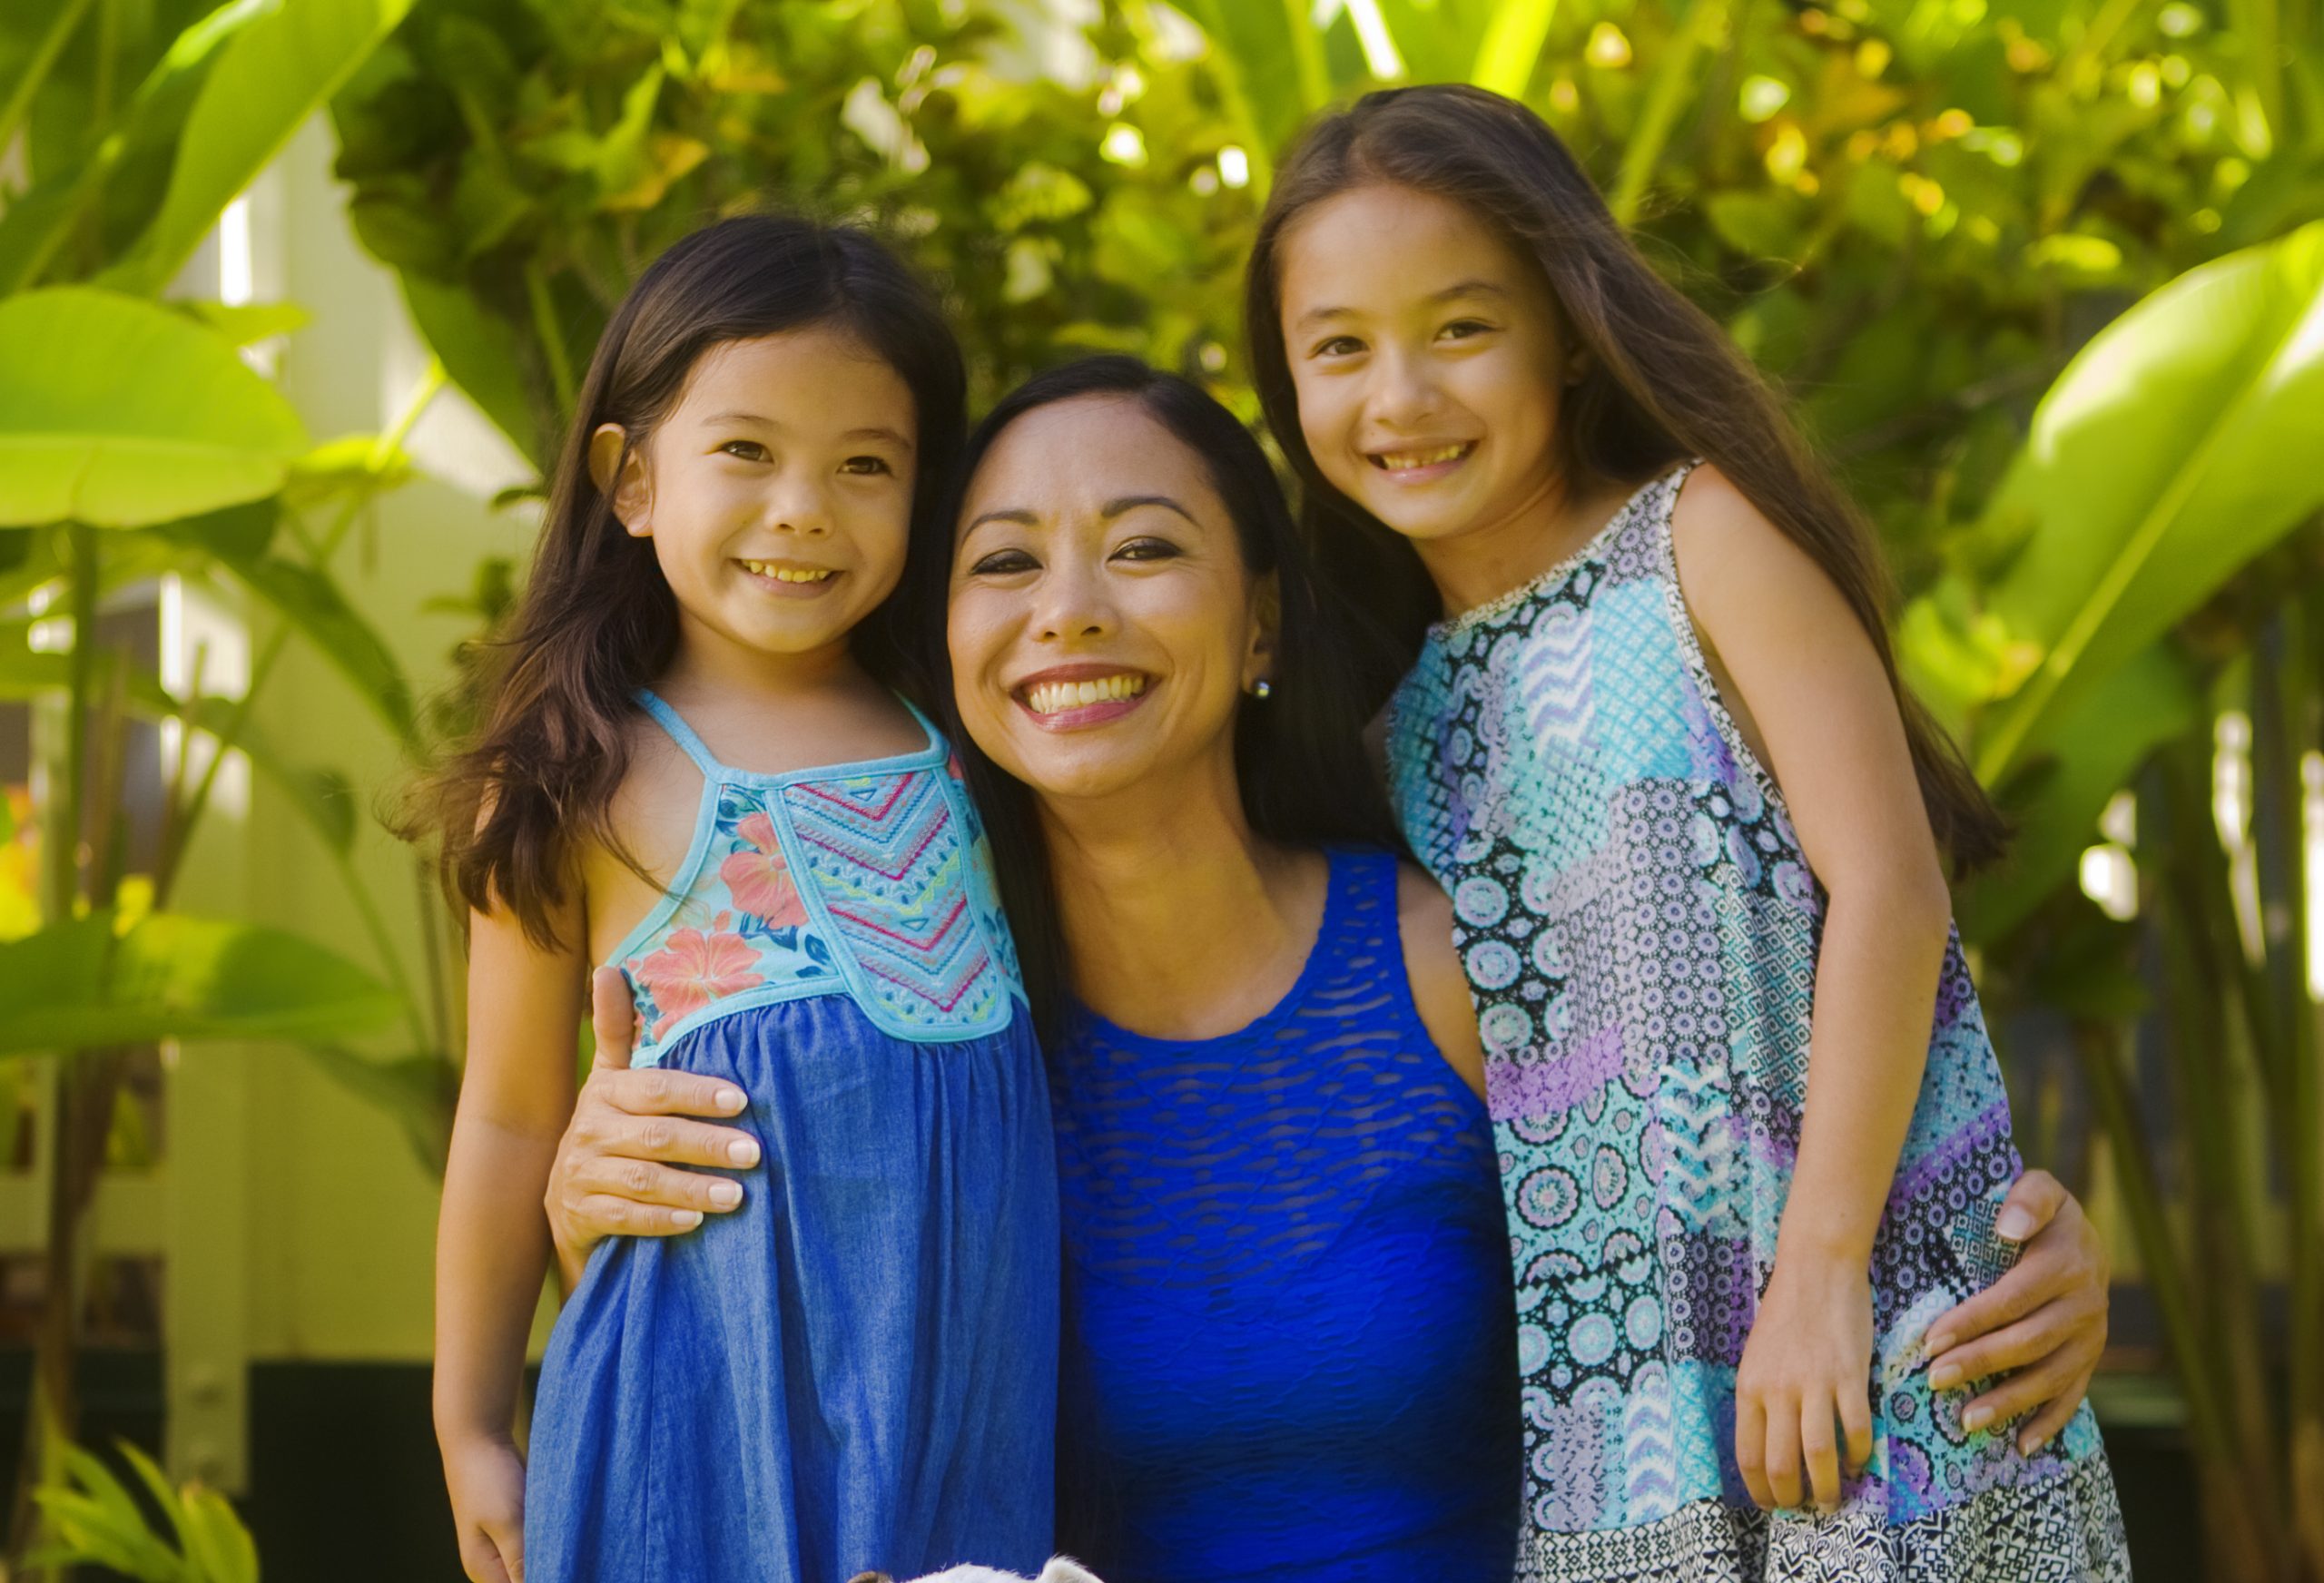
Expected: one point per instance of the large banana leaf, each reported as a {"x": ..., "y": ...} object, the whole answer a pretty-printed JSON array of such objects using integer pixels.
[
  {"x": 2181, "y": 442},
  {"x": 194, "y": 429},
  {"x": 75, "y": 986},
  {"x": 279, "y": 69},
  {"x": 1269, "y": 58}
]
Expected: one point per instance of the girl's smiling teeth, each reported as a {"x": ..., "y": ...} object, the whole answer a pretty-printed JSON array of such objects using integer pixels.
[
  {"x": 786, "y": 574},
  {"x": 1056, "y": 697},
  {"x": 1406, "y": 461}
]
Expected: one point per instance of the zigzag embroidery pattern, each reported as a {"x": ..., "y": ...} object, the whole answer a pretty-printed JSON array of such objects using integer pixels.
[{"x": 889, "y": 863}]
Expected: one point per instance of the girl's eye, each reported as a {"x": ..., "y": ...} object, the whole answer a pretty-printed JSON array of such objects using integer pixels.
[
  {"x": 1147, "y": 549},
  {"x": 1337, "y": 346},
  {"x": 1463, "y": 328},
  {"x": 749, "y": 450},
  {"x": 1003, "y": 564},
  {"x": 869, "y": 467}
]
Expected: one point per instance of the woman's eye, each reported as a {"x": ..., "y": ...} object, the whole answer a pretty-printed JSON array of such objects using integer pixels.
[
  {"x": 749, "y": 450},
  {"x": 869, "y": 467},
  {"x": 1002, "y": 564},
  {"x": 1147, "y": 549}
]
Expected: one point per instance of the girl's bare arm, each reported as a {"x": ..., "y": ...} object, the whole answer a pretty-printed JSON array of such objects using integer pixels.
[
  {"x": 1807, "y": 685},
  {"x": 492, "y": 1242}
]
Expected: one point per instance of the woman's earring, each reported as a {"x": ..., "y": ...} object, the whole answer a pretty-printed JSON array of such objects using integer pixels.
[{"x": 1262, "y": 688}]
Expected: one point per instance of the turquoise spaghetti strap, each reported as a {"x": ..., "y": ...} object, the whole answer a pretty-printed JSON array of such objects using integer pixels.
[{"x": 682, "y": 734}]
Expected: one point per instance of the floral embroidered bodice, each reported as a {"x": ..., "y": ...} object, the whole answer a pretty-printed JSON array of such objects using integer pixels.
[{"x": 870, "y": 879}]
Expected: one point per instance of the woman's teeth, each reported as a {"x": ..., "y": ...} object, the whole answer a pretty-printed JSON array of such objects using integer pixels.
[
  {"x": 786, "y": 574},
  {"x": 1053, "y": 697},
  {"x": 1398, "y": 461}
]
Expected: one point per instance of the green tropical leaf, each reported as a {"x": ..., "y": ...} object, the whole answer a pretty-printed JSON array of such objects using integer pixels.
[
  {"x": 1269, "y": 57},
  {"x": 2129, "y": 714},
  {"x": 218, "y": 1547},
  {"x": 77, "y": 986},
  {"x": 279, "y": 69},
  {"x": 2157, "y": 466},
  {"x": 418, "y": 1091},
  {"x": 312, "y": 602},
  {"x": 194, "y": 430}
]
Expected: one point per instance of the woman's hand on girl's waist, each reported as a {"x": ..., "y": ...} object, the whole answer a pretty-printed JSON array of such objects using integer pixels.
[{"x": 614, "y": 1174}]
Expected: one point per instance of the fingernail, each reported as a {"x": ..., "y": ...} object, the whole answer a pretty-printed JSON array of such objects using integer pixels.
[
  {"x": 685, "y": 1219},
  {"x": 744, "y": 1151},
  {"x": 725, "y": 1194},
  {"x": 2014, "y": 1224},
  {"x": 729, "y": 1099},
  {"x": 1976, "y": 1418},
  {"x": 1945, "y": 1377},
  {"x": 1940, "y": 1343}
]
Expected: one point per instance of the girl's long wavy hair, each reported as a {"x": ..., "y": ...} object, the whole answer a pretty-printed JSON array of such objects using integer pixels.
[
  {"x": 511, "y": 807},
  {"x": 1299, "y": 757},
  {"x": 1663, "y": 384}
]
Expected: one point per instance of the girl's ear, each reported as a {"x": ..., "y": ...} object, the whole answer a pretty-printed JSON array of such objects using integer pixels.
[
  {"x": 1266, "y": 631},
  {"x": 632, "y": 498}
]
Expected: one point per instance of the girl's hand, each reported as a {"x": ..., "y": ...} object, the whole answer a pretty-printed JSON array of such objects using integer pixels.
[
  {"x": 613, "y": 1174},
  {"x": 486, "y": 1478},
  {"x": 2040, "y": 1327},
  {"x": 1807, "y": 1366}
]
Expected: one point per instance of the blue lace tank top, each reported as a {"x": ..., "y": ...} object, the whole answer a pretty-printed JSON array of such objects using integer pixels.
[{"x": 1287, "y": 1348}]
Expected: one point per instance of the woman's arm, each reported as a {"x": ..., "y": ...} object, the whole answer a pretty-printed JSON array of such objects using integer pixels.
[
  {"x": 492, "y": 1241},
  {"x": 1803, "y": 678},
  {"x": 1433, "y": 968}
]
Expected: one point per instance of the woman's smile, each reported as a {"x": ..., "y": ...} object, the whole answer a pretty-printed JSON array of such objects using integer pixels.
[{"x": 1079, "y": 696}]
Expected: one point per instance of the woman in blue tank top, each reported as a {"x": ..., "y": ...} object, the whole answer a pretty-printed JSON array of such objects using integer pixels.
[{"x": 1287, "y": 1348}]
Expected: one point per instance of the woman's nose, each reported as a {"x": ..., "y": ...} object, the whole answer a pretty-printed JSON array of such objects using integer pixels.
[{"x": 1071, "y": 603}]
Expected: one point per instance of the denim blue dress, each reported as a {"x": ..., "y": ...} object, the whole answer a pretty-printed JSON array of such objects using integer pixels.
[
  {"x": 855, "y": 1371},
  {"x": 1289, "y": 1352}
]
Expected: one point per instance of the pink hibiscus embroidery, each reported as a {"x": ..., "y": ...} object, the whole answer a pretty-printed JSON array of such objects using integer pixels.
[
  {"x": 693, "y": 969},
  {"x": 759, "y": 880}
]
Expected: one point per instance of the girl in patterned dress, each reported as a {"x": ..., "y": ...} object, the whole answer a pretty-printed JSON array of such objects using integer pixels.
[
  {"x": 1655, "y": 749},
  {"x": 690, "y": 766}
]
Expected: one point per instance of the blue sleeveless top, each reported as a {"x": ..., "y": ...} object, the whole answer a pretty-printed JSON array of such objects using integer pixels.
[
  {"x": 1287, "y": 1347},
  {"x": 856, "y": 1370}
]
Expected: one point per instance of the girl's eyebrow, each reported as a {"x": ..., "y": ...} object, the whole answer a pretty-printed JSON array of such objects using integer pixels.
[
  {"x": 873, "y": 432},
  {"x": 1476, "y": 287}
]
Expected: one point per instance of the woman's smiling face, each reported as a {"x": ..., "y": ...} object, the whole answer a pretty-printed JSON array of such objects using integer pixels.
[
  {"x": 1102, "y": 624},
  {"x": 1427, "y": 355}
]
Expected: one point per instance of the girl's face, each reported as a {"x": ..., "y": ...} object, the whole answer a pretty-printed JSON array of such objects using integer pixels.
[
  {"x": 1102, "y": 624},
  {"x": 777, "y": 491},
  {"x": 1427, "y": 356}
]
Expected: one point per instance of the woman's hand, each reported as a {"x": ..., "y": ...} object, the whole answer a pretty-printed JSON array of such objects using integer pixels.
[
  {"x": 612, "y": 1175},
  {"x": 2042, "y": 1326},
  {"x": 1806, "y": 1367},
  {"x": 487, "y": 1480}
]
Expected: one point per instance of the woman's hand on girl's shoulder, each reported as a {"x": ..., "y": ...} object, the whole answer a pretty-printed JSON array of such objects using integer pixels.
[
  {"x": 614, "y": 1174},
  {"x": 1439, "y": 988}
]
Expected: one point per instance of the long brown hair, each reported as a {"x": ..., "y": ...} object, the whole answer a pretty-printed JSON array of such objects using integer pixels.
[
  {"x": 597, "y": 622},
  {"x": 1662, "y": 382}
]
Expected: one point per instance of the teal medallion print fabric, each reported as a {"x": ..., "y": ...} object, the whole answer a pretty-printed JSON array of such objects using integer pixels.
[{"x": 1640, "y": 929}]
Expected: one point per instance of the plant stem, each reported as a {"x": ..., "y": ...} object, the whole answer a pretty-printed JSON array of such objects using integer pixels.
[
  {"x": 36, "y": 69},
  {"x": 1665, "y": 96}
]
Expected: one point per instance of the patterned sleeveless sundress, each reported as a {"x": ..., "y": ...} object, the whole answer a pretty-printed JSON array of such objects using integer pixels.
[
  {"x": 1287, "y": 1349},
  {"x": 1641, "y": 931},
  {"x": 855, "y": 1371}
]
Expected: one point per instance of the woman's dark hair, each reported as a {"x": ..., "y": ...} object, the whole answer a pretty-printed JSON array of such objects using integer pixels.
[
  {"x": 1299, "y": 756},
  {"x": 1663, "y": 382},
  {"x": 598, "y": 621}
]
